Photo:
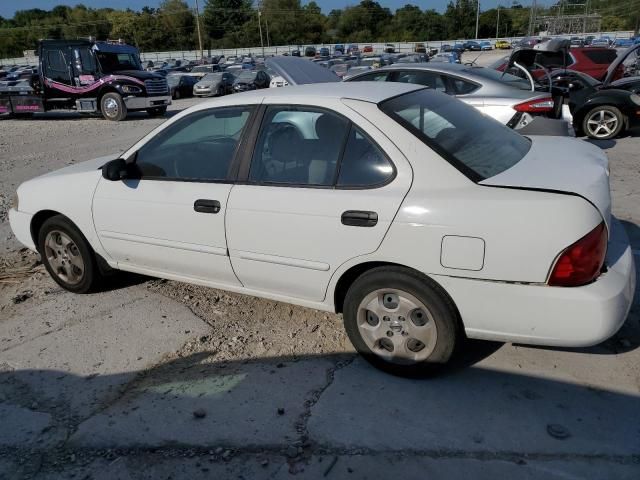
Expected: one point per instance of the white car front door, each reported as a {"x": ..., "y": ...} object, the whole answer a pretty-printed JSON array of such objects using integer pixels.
[
  {"x": 168, "y": 217},
  {"x": 319, "y": 191}
]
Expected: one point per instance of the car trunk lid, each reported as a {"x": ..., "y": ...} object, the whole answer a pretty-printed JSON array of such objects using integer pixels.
[{"x": 583, "y": 170}]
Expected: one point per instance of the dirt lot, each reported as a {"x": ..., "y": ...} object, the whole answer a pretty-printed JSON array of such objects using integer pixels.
[{"x": 157, "y": 379}]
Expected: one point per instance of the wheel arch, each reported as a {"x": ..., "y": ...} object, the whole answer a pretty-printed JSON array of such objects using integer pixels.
[
  {"x": 352, "y": 273},
  {"x": 43, "y": 215}
]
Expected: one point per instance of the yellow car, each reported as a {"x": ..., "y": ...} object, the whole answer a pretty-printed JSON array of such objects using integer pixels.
[{"x": 502, "y": 44}]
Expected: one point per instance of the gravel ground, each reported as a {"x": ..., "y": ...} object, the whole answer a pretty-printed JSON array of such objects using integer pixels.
[{"x": 180, "y": 381}]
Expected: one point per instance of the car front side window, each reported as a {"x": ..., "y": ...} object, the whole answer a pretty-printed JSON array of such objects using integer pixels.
[{"x": 198, "y": 147}]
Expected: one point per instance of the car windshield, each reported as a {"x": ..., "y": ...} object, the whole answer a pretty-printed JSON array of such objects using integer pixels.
[
  {"x": 476, "y": 145},
  {"x": 245, "y": 75},
  {"x": 113, "y": 62},
  {"x": 505, "y": 78},
  {"x": 212, "y": 77},
  {"x": 173, "y": 80}
]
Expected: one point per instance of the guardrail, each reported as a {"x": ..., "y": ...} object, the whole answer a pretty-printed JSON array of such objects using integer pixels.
[{"x": 400, "y": 47}]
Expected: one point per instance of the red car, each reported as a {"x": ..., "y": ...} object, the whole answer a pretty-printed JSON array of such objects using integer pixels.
[{"x": 590, "y": 60}]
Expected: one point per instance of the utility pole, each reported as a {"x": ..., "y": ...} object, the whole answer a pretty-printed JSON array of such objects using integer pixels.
[
  {"x": 260, "y": 28},
  {"x": 199, "y": 33},
  {"x": 532, "y": 14},
  {"x": 477, "y": 18},
  {"x": 498, "y": 23}
]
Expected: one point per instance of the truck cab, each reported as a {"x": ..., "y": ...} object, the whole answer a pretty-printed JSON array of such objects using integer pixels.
[{"x": 89, "y": 76}]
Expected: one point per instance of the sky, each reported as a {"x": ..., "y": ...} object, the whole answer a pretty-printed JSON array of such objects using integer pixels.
[{"x": 8, "y": 7}]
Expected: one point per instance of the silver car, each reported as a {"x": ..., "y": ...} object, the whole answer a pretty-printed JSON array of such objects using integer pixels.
[
  {"x": 219, "y": 83},
  {"x": 504, "y": 97}
]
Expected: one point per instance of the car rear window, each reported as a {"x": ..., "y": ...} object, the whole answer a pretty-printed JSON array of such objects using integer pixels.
[
  {"x": 478, "y": 146},
  {"x": 601, "y": 56}
]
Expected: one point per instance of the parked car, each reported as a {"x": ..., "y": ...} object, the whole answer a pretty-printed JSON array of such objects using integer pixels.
[
  {"x": 435, "y": 230},
  {"x": 623, "y": 43},
  {"x": 445, "y": 48},
  {"x": 506, "y": 98},
  {"x": 367, "y": 49},
  {"x": 340, "y": 69},
  {"x": 576, "y": 42},
  {"x": 251, "y": 80},
  {"x": 202, "y": 70},
  {"x": 181, "y": 86},
  {"x": 339, "y": 49},
  {"x": 310, "y": 51},
  {"x": 419, "y": 48},
  {"x": 295, "y": 53},
  {"x": 590, "y": 60},
  {"x": 472, "y": 45},
  {"x": 389, "y": 48},
  {"x": 588, "y": 39},
  {"x": 324, "y": 52},
  {"x": 502, "y": 45},
  {"x": 600, "y": 42},
  {"x": 219, "y": 83},
  {"x": 353, "y": 49},
  {"x": 486, "y": 45},
  {"x": 602, "y": 109}
]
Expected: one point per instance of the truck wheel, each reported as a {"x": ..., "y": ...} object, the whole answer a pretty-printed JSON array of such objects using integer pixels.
[
  {"x": 157, "y": 112},
  {"x": 112, "y": 107},
  {"x": 400, "y": 321}
]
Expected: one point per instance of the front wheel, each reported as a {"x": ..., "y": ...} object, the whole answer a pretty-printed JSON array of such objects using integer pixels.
[
  {"x": 67, "y": 255},
  {"x": 400, "y": 321},
  {"x": 113, "y": 107},
  {"x": 603, "y": 122}
]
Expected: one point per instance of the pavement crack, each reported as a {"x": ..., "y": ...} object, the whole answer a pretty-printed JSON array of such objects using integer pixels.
[{"x": 315, "y": 395}]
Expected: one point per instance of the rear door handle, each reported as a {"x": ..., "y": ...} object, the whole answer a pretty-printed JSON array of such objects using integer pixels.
[
  {"x": 206, "y": 206},
  {"x": 359, "y": 218}
]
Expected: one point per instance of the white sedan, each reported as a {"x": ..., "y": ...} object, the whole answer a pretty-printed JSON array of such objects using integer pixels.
[{"x": 408, "y": 211}]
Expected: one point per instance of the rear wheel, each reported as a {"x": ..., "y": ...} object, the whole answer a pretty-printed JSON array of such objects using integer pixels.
[
  {"x": 400, "y": 321},
  {"x": 113, "y": 107},
  {"x": 176, "y": 94},
  {"x": 603, "y": 122},
  {"x": 67, "y": 255}
]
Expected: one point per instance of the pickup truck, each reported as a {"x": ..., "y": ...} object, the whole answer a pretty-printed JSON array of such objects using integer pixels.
[{"x": 90, "y": 77}]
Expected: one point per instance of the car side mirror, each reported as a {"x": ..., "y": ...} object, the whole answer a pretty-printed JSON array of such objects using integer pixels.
[{"x": 115, "y": 170}]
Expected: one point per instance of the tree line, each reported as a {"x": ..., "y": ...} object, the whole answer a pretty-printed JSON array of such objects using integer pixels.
[{"x": 237, "y": 23}]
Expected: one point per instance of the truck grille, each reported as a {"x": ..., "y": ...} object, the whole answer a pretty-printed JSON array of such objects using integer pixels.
[{"x": 156, "y": 87}]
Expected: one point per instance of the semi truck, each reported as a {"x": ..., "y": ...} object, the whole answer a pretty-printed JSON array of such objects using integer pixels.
[{"x": 87, "y": 76}]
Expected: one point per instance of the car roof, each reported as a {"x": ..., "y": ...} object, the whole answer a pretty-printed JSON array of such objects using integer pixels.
[{"x": 373, "y": 92}]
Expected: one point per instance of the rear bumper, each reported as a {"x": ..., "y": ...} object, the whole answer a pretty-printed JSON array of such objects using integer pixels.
[
  {"x": 21, "y": 226},
  {"x": 142, "y": 103},
  {"x": 543, "y": 315}
]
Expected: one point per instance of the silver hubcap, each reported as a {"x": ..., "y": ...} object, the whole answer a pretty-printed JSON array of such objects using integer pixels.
[
  {"x": 602, "y": 123},
  {"x": 110, "y": 107},
  {"x": 64, "y": 257},
  {"x": 397, "y": 326}
]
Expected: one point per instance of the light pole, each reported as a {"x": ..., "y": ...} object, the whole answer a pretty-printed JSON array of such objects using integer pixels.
[
  {"x": 260, "y": 28},
  {"x": 198, "y": 26},
  {"x": 498, "y": 23},
  {"x": 477, "y": 19}
]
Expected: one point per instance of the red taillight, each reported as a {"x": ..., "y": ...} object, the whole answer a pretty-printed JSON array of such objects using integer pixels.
[
  {"x": 539, "y": 105},
  {"x": 581, "y": 263}
]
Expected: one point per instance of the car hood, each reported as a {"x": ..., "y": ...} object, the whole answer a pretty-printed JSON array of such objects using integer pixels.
[
  {"x": 82, "y": 167},
  {"x": 208, "y": 83},
  {"x": 298, "y": 71},
  {"x": 562, "y": 164}
]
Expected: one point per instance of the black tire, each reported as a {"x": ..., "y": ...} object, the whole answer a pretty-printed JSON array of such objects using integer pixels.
[
  {"x": 113, "y": 107},
  {"x": 157, "y": 111},
  {"x": 431, "y": 295},
  {"x": 176, "y": 94},
  {"x": 220, "y": 91},
  {"x": 91, "y": 277},
  {"x": 606, "y": 111}
]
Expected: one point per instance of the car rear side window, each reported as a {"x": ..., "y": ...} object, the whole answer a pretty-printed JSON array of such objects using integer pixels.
[
  {"x": 428, "y": 79},
  {"x": 478, "y": 146},
  {"x": 363, "y": 163},
  {"x": 600, "y": 56},
  {"x": 371, "y": 77}
]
